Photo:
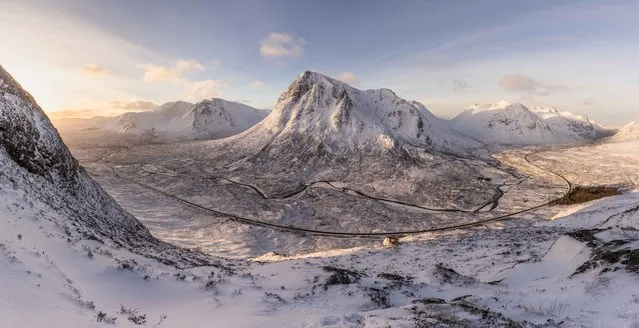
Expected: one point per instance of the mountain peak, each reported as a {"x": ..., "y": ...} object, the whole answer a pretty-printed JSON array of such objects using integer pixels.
[
  {"x": 329, "y": 112},
  {"x": 502, "y": 104}
]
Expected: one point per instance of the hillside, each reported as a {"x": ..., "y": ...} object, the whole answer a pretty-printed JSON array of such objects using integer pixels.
[
  {"x": 571, "y": 127},
  {"x": 515, "y": 124},
  {"x": 628, "y": 132}
]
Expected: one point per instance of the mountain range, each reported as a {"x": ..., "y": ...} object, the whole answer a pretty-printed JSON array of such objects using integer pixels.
[
  {"x": 322, "y": 129},
  {"x": 356, "y": 117},
  {"x": 514, "y": 123},
  {"x": 172, "y": 122},
  {"x": 71, "y": 256}
]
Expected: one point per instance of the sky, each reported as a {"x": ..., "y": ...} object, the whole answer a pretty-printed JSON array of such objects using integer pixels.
[{"x": 90, "y": 57}]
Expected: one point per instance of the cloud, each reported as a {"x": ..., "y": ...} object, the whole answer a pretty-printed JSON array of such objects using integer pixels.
[
  {"x": 92, "y": 69},
  {"x": 187, "y": 65},
  {"x": 257, "y": 84},
  {"x": 519, "y": 83},
  {"x": 134, "y": 104},
  {"x": 157, "y": 73},
  {"x": 461, "y": 85},
  {"x": 347, "y": 77},
  {"x": 190, "y": 89},
  {"x": 558, "y": 87},
  {"x": 282, "y": 45},
  {"x": 205, "y": 89}
]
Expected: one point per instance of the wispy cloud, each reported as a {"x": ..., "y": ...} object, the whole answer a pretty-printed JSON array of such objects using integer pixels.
[
  {"x": 519, "y": 83},
  {"x": 256, "y": 84},
  {"x": 193, "y": 90},
  {"x": 282, "y": 45},
  {"x": 347, "y": 77},
  {"x": 461, "y": 85},
  {"x": 206, "y": 89},
  {"x": 92, "y": 69},
  {"x": 133, "y": 104},
  {"x": 587, "y": 102},
  {"x": 157, "y": 73}
]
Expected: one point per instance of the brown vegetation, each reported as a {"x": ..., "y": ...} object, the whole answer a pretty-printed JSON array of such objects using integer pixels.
[{"x": 582, "y": 194}]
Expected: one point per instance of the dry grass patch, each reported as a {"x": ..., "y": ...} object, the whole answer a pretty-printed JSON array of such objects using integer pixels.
[{"x": 582, "y": 194}]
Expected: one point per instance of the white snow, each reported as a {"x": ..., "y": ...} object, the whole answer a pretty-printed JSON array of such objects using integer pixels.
[
  {"x": 516, "y": 124},
  {"x": 171, "y": 122},
  {"x": 331, "y": 110},
  {"x": 628, "y": 132},
  {"x": 68, "y": 252}
]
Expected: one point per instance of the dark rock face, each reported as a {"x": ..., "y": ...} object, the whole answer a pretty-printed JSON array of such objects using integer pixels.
[{"x": 24, "y": 142}]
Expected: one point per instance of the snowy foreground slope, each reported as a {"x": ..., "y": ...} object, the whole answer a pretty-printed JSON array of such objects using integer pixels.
[
  {"x": 513, "y": 123},
  {"x": 70, "y": 257},
  {"x": 171, "y": 122},
  {"x": 628, "y": 132}
]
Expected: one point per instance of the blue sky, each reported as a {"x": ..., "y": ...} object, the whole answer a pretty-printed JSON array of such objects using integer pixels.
[{"x": 111, "y": 56}]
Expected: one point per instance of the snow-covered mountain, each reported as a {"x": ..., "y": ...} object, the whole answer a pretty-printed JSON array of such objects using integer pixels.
[
  {"x": 570, "y": 127},
  {"x": 162, "y": 118},
  {"x": 71, "y": 257},
  {"x": 516, "y": 124},
  {"x": 327, "y": 111},
  {"x": 628, "y": 132},
  {"x": 171, "y": 122},
  {"x": 324, "y": 129},
  {"x": 504, "y": 123},
  {"x": 211, "y": 118},
  {"x": 38, "y": 169}
]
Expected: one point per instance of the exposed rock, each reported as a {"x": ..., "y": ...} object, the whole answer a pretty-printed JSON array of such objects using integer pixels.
[{"x": 391, "y": 242}]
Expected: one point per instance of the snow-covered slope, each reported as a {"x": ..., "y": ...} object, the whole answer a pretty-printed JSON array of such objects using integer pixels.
[
  {"x": 211, "y": 118},
  {"x": 217, "y": 118},
  {"x": 164, "y": 117},
  {"x": 335, "y": 114},
  {"x": 516, "y": 124},
  {"x": 628, "y": 132},
  {"x": 504, "y": 123},
  {"x": 171, "y": 122},
  {"x": 37, "y": 167},
  {"x": 70, "y": 257},
  {"x": 569, "y": 126}
]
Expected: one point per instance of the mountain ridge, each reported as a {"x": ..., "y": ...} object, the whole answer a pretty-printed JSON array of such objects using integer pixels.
[{"x": 38, "y": 168}]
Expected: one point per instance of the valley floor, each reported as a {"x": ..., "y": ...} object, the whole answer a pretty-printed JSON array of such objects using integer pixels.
[{"x": 556, "y": 266}]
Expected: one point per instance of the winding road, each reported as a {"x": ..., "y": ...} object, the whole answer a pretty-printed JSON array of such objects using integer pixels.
[{"x": 253, "y": 222}]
